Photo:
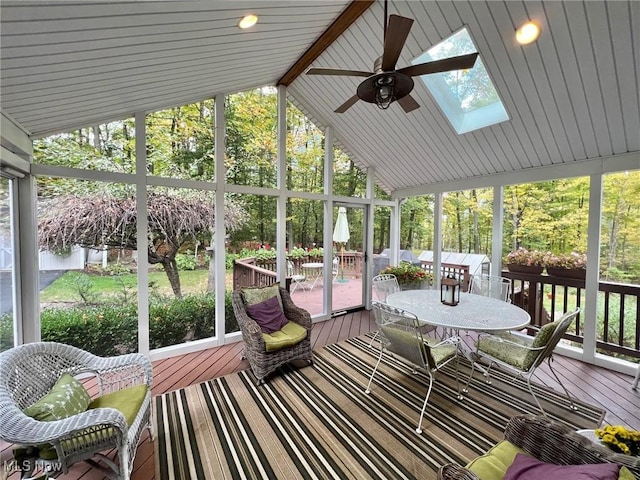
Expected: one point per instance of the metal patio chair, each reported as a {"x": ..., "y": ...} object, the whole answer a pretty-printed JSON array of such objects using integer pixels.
[
  {"x": 400, "y": 335},
  {"x": 523, "y": 355},
  {"x": 491, "y": 286}
]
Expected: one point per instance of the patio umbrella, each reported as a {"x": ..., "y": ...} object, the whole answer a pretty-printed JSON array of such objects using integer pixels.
[{"x": 341, "y": 235}]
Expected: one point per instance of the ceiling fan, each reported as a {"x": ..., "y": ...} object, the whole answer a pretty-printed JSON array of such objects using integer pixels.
[{"x": 385, "y": 84}]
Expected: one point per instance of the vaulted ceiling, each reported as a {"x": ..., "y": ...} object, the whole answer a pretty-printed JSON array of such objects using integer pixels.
[{"x": 572, "y": 96}]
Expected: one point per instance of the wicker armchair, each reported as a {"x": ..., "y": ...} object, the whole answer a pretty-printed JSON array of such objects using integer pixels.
[
  {"x": 28, "y": 372},
  {"x": 551, "y": 442},
  {"x": 262, "y": 362}
]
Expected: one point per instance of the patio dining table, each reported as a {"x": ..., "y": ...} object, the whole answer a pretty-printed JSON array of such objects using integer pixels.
[{"x": 473, "y": 313}]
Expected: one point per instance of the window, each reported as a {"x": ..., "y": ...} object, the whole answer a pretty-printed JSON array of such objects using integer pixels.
[{"x": 468, "y": 98}]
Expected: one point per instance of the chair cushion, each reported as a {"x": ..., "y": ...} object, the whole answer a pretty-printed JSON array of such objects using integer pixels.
[
  {"x": 291, "y": 334},
  {"x": 127, "y": 401},
  {"x": 508, "y": 353},
  {"x": 253, "y": 295},
  {"x": 67, "y": 397},
  {"x": 525, "y": 467},
  {"x": 493, "y": 464},
  {"x": 268, "y": 315}
]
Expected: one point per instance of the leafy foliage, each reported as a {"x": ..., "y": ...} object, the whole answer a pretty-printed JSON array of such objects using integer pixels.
[{"x": 113, "y": 329}]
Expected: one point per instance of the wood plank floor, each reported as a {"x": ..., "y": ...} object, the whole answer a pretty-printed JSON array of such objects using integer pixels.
[{"x": 592, "y": 384}]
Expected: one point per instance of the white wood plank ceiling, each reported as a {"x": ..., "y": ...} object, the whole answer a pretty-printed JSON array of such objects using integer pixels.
[
  {"x": 571, "y": 96},
  {"x": 70, "y": 64}
]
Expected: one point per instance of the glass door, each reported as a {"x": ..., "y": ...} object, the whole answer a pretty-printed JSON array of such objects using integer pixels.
[{"x": 349, "y": 257}]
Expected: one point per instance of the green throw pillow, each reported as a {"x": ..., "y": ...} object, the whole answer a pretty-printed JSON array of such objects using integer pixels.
[
  {"x": 253, "y": 295},
  {"x": 67, "y": 397}
]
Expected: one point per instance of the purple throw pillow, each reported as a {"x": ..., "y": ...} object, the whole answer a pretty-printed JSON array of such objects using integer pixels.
[
  {"x": 525, "y": 467},
  {"x": 268, "y": 315}
]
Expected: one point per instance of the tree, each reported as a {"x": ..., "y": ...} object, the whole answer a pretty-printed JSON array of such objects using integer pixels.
[{"x": 106, "y": 220}]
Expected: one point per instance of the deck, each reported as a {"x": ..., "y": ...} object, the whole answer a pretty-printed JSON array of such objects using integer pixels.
[{"x": 592, "y": 384}]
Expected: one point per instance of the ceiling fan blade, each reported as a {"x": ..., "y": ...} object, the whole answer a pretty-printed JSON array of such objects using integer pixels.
[
  {"x": 408, "y": 103},
  {"x": 346, "y": 105},
  {"x": 335, "y": 71},
  {"x": 397, "y": 32},
  {"x": 454, "y": 63}
]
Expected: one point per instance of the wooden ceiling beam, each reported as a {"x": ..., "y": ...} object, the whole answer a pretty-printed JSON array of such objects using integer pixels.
[{"x": 339, "y": 25}]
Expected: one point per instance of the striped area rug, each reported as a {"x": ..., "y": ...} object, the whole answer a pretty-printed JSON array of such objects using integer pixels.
[{"x": 317, "y": 422}]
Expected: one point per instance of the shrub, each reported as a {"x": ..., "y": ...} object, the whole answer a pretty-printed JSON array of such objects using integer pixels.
[
  {"x": 108, "y": 330},
  {"x": 105, "y": 330},
  {"x": 186, "y": 261},
  {"x": 6, "y": 332}
]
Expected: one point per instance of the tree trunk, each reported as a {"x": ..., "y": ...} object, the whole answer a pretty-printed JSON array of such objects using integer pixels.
[{"x": 171, "y": 269}]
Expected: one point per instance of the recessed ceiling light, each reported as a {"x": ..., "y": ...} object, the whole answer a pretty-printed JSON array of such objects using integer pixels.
[
  {"x": 248, "y": 21},
  {"x": 528, "y": 33}
]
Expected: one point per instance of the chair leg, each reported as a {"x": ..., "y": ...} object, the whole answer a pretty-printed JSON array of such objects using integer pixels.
[
  {"x": 373, "y": 338},
  {"x": 424, "y": 405},
  {"x": 634, "y": 385},
  {"x": 368, "y": 389},
  {"x": 465, "y": 389},
  {"x": 530, "y": 387},
  {"x": 572, "y": 405}
]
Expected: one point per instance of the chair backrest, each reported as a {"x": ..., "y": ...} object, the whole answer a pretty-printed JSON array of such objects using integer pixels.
[
  {"x": 491, "y": 286},
  {"x": 335, "y": 265},
  {"x": 400, "y": 334},
  {"x": 29, "y": 371},
  {"x": 290, "y": 268},
  {"x": 549, "y": 336},
  {"x": 384, "y": 285}
]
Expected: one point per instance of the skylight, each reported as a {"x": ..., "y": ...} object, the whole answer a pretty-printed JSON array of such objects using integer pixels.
[{"x": 467, "y": 97}]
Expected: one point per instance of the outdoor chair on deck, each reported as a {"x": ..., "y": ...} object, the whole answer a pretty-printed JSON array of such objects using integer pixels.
[
  {"x": 297, "y": 279},
  {"x": 384, "y": 285},
  {"x": 47, "y": 412},
  {"x": 523, "y": 355},
  {"x": 274, "y": 329},
  {"x": 491, "y": 286},
  {"x": 548, "y": 442},
  {"x": 400, "y": 335}
]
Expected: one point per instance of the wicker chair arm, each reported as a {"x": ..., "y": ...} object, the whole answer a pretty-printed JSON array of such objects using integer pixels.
[
  {"x": 452, "y": 471},
  {"x": 251, "y": 331},
  {"x": 293, "y": 312},
  {"x": 16, "y": 427}
]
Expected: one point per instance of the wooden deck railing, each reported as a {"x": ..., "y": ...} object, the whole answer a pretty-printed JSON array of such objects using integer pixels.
[
  {"x": 545, "y": 297},
  {"x": 460, "y": 272},
  {"x": 247, "y": 274}
]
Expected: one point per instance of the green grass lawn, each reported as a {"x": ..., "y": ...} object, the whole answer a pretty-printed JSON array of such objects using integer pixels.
[{"x": 64, "y": 288}]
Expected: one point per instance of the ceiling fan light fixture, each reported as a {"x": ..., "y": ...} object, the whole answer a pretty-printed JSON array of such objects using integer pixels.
[
  {"x": 385, "y": 92},
  {"x": 528, "y": 33},
  {"x": 248, "y": 21}
]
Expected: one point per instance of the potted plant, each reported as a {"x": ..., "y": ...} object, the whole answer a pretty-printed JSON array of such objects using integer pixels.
[
  {"x": 265, "y": 258},
  {"x": 297, "y": 255},
  {"x": 526, "y": 261},
  {"x": 410, "y": 277},
  {"x": 573, "y": 265},
  {"x": 316, "y": 254}
]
